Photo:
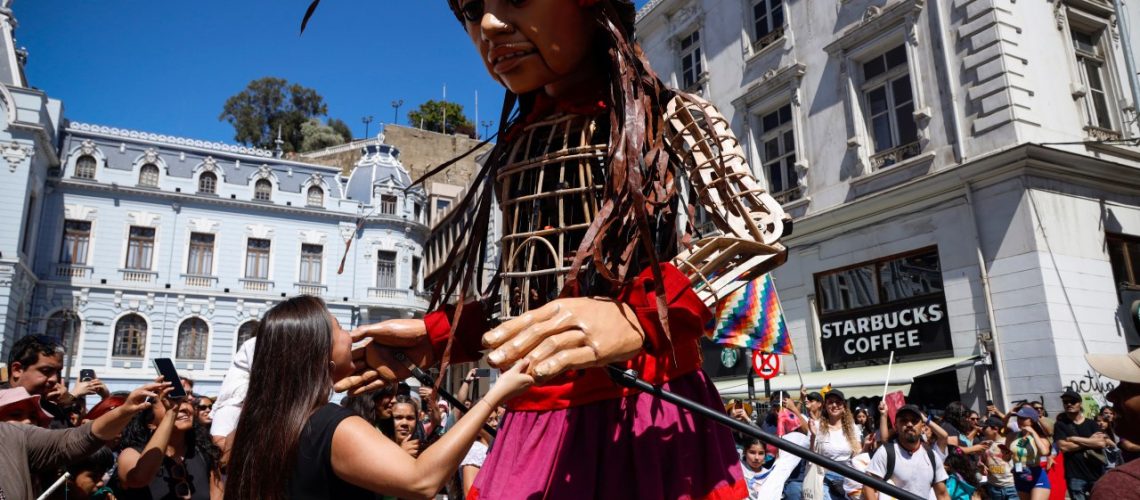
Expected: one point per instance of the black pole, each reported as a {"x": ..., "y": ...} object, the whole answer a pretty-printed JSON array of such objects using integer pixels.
[
  {"x": 427, "y": 381},
  {"x": 628, "y": 378}
]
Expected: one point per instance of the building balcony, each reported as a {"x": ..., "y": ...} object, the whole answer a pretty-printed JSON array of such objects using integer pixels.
[
  {"x": 314, "y": 289},
  {"x": 398, "y": 296},
  {"x": 788, "y": 196},
  {"x": 199, "y": 280},
  {"x": 1102, "y": 134},
  {"x": 72, "y": 271},
  {"x": 256, "y": 284},
  {"x": 895, "y": 155},
  {"x": 138, "y": 275}
]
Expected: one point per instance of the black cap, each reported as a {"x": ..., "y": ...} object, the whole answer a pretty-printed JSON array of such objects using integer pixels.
[
  {"x": 909, "y": 409},
  {"x": 814, "y": 396},
  {"x": 1071, "y": 395},
  {"x": 994, "y": 422},
  {"x": 837, "y": 393}
]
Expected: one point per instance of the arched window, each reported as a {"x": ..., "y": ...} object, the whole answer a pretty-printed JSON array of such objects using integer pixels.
[
  {"x": 130, "y": 336},
  {"x": 85, "y": 167},
  {"x": 192, "y": 339},
  {"x": 207, "y": 183},
  {"x": 316, "y": 197},
  {"x": 63, "y": 326},
  {"x": 263, "y": 190},
  {"x": 148, "y": 175},
  {"x": 246, "y": 331}
]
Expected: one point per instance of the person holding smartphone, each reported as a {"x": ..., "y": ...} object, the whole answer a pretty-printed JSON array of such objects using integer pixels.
[{"x": 291, "y": 442}]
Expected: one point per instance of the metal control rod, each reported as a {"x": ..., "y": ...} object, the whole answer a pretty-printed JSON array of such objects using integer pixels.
[{"x": 628, "y": 378}]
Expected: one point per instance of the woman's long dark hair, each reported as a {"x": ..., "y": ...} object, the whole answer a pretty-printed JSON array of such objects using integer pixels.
[
  {"x": 288, "y": 379},
  {"x": 138, "y": 432},
  {"x": 639, "y": 182}
]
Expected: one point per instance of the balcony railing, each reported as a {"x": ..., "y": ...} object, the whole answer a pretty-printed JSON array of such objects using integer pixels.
[
  {"x": 767, "y": 40},
  {"x": 138, "y": 275},
  {"x": 1102, "y": 134},
  {"x": 314, "y": 289},
  {"x": 256, "y": 284},
  {"x": 894, "y": 155},
  {"x": 199, "y": 280},
  {"x": 389, "y": 293},
  {"x": 72, "y": 271},
  {"x": 789, "y": 195}
]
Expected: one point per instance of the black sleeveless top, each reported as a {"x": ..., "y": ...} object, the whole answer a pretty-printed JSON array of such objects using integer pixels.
[{"x": 313, "y": 477}]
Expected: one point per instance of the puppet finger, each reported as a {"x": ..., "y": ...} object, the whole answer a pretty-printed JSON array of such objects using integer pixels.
[
  {"x": 578, "y": 357},
  {"x": 521, "y": 344},
  {"x": 554, "y": 344},
  {"x": 510, "y": 329}
]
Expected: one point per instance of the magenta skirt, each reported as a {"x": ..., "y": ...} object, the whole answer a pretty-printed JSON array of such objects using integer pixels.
[{"x": 629, "y": 448}]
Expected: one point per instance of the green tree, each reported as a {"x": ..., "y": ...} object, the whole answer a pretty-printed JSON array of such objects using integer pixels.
[
  {"x": 316, "y": 135},
  {"x": 269, "y": 105},
  {"x": 341, "y": 128},
  {"x": 430, "y": 116}
]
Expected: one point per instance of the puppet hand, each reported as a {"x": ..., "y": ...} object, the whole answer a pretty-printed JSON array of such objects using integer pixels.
[
  {"x": 374, "y": 362},
  {"x": 567, "y": 334}
]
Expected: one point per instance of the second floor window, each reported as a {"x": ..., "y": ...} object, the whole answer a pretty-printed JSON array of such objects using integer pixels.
[
  {"x": 201, "y": 258},
  {"x": 769, "y": 18},
  {"x": 386, "y": 269},
  {"x": 85, "y": 167},
  {"x": 388, "y": 204},
  {"x": 148, "y": 175},
  {"x": 691, "y": 59},
  {"x": 140, "y": 248},
  {"x": 778, "y": 143},
  {"x": 76, "y": 238},
  {"x": 1091, "y": 67},
  {"x": 315, "y": 197},
  {"x": 889, "y": 101},
  {"x": 415, "y": 273},
  {"x": 311, "y": 258},
  {"x": 1124, "y": 256},
  {"x": 257, "y": 259},
  {"x": 207, "y": 183},
  {"x": 263, "y": 190}
]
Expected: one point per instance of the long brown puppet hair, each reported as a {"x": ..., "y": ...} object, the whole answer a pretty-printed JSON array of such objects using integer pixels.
[{"x": 639, "y": 182}]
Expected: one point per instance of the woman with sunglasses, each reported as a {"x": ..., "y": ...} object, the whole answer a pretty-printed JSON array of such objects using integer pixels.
[
  {"x": 167, "y": 454},
  {"x": 835, "y": 436}
]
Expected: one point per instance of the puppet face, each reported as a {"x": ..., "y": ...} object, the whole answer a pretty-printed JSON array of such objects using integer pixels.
[{"x": 531, "y": 44}]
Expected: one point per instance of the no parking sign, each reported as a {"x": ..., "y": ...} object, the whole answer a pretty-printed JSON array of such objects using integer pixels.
[{"x": 766, "y": 364}]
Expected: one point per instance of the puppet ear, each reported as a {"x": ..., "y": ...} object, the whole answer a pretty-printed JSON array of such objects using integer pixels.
[{"x": 309, "y": 14}]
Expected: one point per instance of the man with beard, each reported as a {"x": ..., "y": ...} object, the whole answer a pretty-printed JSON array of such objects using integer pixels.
[
  {"x": 1122, "y": 481},
  {"x": 906, "y": 462}
]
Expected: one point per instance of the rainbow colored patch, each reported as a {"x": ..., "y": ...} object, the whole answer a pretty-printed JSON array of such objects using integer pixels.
[{"x": 751, "y": 317}]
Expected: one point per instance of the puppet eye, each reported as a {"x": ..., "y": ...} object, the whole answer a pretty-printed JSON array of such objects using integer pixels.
[
  {"x": 516, "y": 3},
  {"x": 472, "y": 11}
]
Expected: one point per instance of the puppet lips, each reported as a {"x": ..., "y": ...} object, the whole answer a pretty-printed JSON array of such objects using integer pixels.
[{"x": 507, "y": 58}]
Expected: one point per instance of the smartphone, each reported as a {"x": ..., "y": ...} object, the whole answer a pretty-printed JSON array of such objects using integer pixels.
[
  {"x": 86, "y": 375},
  {"x": 989, "y": 402},
  {"x": 165, "y": 367},
  {"x": 403, "y": 389},
  {"x": 483, "y": 372}
]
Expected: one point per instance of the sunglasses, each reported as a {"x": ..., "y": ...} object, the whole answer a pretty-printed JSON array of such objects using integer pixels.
[{"x": 204, "y": 407}]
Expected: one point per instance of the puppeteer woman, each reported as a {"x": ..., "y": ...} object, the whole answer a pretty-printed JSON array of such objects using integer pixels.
[{"x": 599, "y": 173}]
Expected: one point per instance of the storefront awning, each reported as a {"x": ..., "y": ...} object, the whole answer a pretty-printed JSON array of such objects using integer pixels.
[{"x": 864, "y": 381}]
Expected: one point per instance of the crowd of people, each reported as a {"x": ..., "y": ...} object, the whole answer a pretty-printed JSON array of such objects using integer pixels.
[
  {"x": 84, "y": 441},
  {"x": 954, "y": 452}
]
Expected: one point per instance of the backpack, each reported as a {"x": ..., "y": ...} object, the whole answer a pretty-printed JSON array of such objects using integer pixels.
[{"x": 890, "y": 447}]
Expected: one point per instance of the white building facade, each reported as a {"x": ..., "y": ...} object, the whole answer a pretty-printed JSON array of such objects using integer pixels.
[{"x": 962, "y": 174}]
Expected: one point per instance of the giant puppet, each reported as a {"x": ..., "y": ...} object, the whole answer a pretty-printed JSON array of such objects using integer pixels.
[{"x": 602, "y": 175}]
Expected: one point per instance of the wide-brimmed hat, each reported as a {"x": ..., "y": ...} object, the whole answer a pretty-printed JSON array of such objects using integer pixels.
[
  {"x": 1122, "y": 367},
  {"x": 17, "y": 396}
]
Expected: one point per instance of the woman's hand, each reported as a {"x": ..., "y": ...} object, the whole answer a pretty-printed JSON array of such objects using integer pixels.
[
  {"x": 142, "y": 397},
  {"x": 566, "y": 334},
  {"x": 511, "y": 383},
  {"x": 375, "y": 365},
  {"x": 412, "y": 446}
]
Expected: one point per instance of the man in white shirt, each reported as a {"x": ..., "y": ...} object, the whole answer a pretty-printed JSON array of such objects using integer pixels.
[{"x": 915, "y": 468}]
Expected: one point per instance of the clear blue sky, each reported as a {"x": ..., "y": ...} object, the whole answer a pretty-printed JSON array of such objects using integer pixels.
[{"x": 168, "y": 66}]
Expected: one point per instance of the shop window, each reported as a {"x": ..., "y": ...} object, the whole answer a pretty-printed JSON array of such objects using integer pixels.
[
  {"x": 894, "y": 279},
  {"x": 130, "y": 336},
  {"x": 691, "y": 65},
  {"x": 148, "y": 175},
  {"x": 889, "y": 107},
  {"x": 778, "y": 154},
  {"x": 85, "y": 167},
  {"x": 193, "y": 336}
]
